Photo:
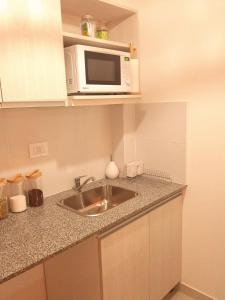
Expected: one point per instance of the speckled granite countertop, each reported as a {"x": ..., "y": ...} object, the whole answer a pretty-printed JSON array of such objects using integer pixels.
[{"x": 31, "y": 237}]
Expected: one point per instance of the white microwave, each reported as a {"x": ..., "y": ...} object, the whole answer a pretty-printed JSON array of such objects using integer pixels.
[{"x": 97, "y": 70}]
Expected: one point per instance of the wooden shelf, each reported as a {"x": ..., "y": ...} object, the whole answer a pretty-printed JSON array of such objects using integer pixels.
[
  {"x": 70, "y": 39},
  {"x": 92, "y": 100},
  {"x": 78, "y": 100},
  {"x": 107, "y": 11}
]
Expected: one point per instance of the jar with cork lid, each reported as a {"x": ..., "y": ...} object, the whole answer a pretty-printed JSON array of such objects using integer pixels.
[
  {"x": 16, "y": 185},
  {"x": 34, "y": 188},
  {"x": 3, "y": 199},
  {"x": 16, "y": 193}
]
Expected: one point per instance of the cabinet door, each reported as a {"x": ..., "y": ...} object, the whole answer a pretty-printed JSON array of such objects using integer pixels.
[
  {"x": 75, "y": 273},
  {"x": 26, "y": 286},
  {"x": 31, "y": 52},
  {"x": 165, "y": 248},
  {"x": 124, "y": 255}
]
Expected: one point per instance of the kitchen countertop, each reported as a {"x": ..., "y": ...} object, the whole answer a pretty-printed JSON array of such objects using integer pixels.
[{"x": 31, "y": 237}]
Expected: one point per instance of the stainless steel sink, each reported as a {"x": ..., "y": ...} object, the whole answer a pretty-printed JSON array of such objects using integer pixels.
[{"x": 96, "y": 201}]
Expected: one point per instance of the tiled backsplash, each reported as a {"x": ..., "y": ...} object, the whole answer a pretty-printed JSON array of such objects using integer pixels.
[
  {"x": 161, "y": 137},
  {"x": 79, "y": 141}
]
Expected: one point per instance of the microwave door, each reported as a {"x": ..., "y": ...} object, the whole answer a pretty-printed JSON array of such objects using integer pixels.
[{"x": 102, "y": 72}]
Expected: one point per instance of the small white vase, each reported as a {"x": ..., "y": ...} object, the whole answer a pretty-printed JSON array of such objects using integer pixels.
[{"x": 112, "y": 170}]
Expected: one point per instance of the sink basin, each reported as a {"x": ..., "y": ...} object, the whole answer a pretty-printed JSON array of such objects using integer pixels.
[{"x": 96, "y": 201}]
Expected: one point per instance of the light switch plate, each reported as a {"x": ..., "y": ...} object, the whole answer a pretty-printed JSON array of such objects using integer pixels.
[{"x": 38, "y": 149}]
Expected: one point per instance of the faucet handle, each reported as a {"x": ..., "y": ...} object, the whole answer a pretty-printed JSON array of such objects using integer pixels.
[{"x": 77, "y": 180}]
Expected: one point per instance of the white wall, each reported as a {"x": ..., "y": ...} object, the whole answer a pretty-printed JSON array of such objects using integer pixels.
[
  {"x": 182, "y": 59},
  {"x": 123, "y": 135},
  {"x": 161, "y": 138},
  {"x": 188, "y": 141},
  {"x": 79, "y": 143},
  {"x": 204, "y": 207}
]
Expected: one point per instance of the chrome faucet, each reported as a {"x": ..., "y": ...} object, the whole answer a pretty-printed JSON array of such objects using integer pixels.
[{"x": 78, "y": 186}]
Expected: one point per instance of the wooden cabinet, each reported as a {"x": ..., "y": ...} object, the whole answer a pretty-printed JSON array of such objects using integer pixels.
[
  {"x": 31, "y": 52},
  {"x": 165, "y": 225},
  {"x": 32, "y": 68},
  {"x": 124, "y": 262},
  {"x": 75, "y": 273},
  {"x": 141, "y": 260},
  {"x": 29, "y": 285}
]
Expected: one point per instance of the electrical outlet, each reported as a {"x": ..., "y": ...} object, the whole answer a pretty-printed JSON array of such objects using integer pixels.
[{"x": 38, "y": 149}]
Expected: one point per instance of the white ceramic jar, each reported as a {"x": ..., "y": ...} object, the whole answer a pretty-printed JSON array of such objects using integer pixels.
[{"x": 112, "y": 171}]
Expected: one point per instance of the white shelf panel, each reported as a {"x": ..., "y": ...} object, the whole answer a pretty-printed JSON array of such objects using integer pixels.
[
  {"x": 91, "y": 97},
  {"x": 92, "y": 100},
  {"x": 107, "y": 11},
  {"x": 78, "y": 100},
  {"x": 70, "y": 39}
]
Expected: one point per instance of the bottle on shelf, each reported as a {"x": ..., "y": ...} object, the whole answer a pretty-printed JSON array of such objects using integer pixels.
[{"x": 88, "y": 26}]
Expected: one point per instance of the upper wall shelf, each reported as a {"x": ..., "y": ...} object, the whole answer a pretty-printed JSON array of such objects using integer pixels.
[
  {"x": 73, "y": 39},
  {"x": 92, "y": 100},
  {"x": 107, "y": 11}
]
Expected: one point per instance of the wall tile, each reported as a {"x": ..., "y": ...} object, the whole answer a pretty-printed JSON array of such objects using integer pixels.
[
  {"x": 161, "y": 137},
  {"x": 79, "y": 141}
]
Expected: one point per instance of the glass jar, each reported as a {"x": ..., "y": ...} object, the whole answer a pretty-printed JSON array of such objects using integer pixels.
[
  {"x": 34, "y": 189},
  {"x": 88, "y": 26},
  {"x": 3, "y": 200},
  {"x": 16, "y": 185},
  {"x": 102, "y": 33}
]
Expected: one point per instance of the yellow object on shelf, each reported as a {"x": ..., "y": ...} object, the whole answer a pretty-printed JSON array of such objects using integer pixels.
[
  {"x": 102, "y": 33},
  {"x": 132, "y": 51}
]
